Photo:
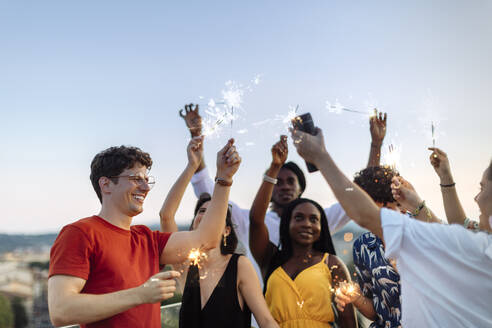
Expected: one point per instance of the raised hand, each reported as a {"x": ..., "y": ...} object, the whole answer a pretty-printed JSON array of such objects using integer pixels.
[
  {"x": 404, "y": 193},
  {"x": 280, "y": 150},
  {"x": 440, "y": 162},
  {"x": 192, "y": 119},
  {"x": 344, "y": 295},
  {"x": 159, "y": 287},
  {"x": 195, "y": 151},
  {"x": 308, "y": 146},
  {"x": 377, "y": 125},
  {"x": 228, "y": 161}
]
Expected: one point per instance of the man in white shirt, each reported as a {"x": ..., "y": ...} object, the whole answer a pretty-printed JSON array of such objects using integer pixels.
[{"x": 445, "y": 271}]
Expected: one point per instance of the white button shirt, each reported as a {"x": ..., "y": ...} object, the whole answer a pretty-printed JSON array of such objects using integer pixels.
[{"x": 445, "y": 272}]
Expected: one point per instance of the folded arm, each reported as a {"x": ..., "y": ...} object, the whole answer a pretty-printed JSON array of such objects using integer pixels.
[{"x": 68, "y": 306}]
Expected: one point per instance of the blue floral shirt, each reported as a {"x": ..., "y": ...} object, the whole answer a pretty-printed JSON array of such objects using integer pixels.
[{"x": 378, "y": 280}]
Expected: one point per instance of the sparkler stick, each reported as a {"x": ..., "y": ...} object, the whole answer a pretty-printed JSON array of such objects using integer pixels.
[
  {"x": 391, "y": 149},
  {"x": 433, "y": 138},
  {"x": 232, "y": 119},
  {"x": 337, "y": 108}
]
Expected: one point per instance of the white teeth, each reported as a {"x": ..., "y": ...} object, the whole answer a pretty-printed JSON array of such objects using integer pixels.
[{"x": 138, "y": 197}]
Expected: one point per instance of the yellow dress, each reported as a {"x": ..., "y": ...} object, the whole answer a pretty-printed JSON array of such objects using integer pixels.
[{"x": 304, "y": 301}]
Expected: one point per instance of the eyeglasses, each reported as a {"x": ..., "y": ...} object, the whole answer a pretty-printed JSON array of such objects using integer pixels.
[{"x": 138, "y": 179}]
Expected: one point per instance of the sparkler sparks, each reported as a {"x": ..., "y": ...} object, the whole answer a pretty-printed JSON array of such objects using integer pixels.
[
  {"x": 337, "y": 108},
  {"x": 347, "y": 288},
  {"x": 288, "y": 118},
  {"x": 392, "y": 158},
  {"x": 196, "y": 256}
]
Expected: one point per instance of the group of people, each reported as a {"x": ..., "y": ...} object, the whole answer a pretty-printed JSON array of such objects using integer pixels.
[{"x": 412, "y": 270}]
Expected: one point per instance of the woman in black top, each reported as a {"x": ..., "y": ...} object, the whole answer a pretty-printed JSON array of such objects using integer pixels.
[{"x": 223, "y": 289}]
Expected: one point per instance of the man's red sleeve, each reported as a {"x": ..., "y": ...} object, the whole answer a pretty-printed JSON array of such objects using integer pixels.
[{"x": 71, "y": 254}]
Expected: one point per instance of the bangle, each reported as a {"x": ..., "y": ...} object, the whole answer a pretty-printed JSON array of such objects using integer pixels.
[
  {"x": 447, "y": 185},
  {"x": 223, "y": 182},
  {"x": 266, "y": 178},
  {"x": 475, "y": 227},
  {"x": 418, "y": 209}
]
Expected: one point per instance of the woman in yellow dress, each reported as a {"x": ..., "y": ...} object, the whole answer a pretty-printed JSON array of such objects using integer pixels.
[
  {"x": 299, "y": 281},
  {"x": 302, "y": 271}
]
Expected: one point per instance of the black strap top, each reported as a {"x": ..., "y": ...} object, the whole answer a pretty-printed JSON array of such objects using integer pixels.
[{"x": 222, "y": 308}]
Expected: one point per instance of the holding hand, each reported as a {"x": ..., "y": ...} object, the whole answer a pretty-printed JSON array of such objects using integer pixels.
[
  {"x": 308, "y": 146},
  {"x": 195, "y": 151},
  {"x": 159, "y": 287},
  {"x": 404, "y": 193},
  {"x": 345, "y": 294},
  {"x": 228, "y": 161},
  {"x": 440, "y": 163},
  {"x": 280, "y": 150},
  {"x": 377, "y": 125},
  {"x": 192, "y": 119}
]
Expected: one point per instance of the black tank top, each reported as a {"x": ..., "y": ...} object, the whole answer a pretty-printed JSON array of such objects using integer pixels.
[{"x": 222, "y": 308}]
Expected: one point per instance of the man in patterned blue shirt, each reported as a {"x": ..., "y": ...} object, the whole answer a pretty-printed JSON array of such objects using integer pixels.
[{"x": 377, "y": 277}]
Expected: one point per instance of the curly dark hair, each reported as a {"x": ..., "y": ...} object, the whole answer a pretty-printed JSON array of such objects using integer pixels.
[
  {"x": 376, "y": 181},
  {"x": 324, "y": 244},
  {"x": 231, "y": 239},
  {"x": 113, "y": 161}
]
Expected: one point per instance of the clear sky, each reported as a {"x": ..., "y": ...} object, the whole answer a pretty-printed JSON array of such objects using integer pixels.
[{"x": 79, "y": 76}]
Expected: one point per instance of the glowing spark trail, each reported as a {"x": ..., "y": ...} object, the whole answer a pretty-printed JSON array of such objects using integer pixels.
[
  {"x": 337, "y": 108},
  {"x": 196, "y": 256}
]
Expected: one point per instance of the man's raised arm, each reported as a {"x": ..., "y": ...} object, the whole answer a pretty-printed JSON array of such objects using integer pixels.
[
  {"x": 259, "y": 242},
  {"x": 356, "y": 203},
  {"x": 377, "y": 125}
]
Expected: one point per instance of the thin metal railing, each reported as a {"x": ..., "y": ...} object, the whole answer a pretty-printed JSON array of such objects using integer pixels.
[{"x": 169, "y": 316}]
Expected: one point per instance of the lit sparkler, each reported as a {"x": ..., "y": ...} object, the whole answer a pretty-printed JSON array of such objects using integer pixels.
[
  {"x": 288, "y": 118},
  {"x": 337, "y": 108},
  {"x": 347, "y": 288},
  {"x": 196, "y": 256},
  {"x": 392, "y": 158}
]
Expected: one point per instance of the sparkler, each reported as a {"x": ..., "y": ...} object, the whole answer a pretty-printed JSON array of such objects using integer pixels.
[
  {"x": 347, "y": 288},
  {"x": 196, "y": 256},
  {"x": 286, "y": 119},
  {"x": 393, "y": 157},
  {"x": 433, "y": 138},
  {"x": 337, "y": 108}
]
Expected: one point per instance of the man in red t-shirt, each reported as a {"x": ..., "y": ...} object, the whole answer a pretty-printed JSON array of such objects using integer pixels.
[{"x": 105, "y": 272}]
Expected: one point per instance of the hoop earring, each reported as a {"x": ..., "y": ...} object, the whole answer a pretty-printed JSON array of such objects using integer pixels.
[{"x": 224, "y": 240}]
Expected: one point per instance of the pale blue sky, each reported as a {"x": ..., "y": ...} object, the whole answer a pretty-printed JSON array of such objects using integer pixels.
[{"x": 78, "y": 77}]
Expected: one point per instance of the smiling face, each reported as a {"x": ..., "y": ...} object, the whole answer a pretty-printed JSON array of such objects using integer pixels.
[
  {"x": 287, "y": 188},
  {"x": 305, "y": 224},
  {"x": 484, "y": 200},
  {"x": 127, "y": 195}
]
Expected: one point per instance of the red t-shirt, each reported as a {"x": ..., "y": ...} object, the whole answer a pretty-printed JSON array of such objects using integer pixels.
[{"x": 110, "y": 259}]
